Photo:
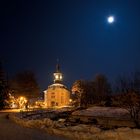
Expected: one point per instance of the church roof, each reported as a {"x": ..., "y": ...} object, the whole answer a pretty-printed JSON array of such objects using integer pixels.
[{"x": 57, "y": 85}]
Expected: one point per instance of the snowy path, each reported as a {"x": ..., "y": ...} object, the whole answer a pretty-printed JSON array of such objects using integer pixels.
[{"x": 11, "y": 131}]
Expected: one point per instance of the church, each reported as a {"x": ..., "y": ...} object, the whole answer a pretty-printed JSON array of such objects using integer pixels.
[{"x": 57, "y": 94}]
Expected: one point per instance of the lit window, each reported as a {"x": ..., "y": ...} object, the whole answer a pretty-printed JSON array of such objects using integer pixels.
[
  {"x": 56, "y": 76},
  {"x": 61, "y": 77}
]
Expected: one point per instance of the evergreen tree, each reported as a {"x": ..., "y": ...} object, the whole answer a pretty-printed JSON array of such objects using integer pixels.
[
  {"x": 102, "y": 88},
  {"x": 3, "y": 88}
]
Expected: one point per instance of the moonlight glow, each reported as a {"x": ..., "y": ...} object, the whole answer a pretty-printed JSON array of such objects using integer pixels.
[{"x": 110, "y": 19}]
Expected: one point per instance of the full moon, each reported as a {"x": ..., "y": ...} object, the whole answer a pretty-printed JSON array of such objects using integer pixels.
[{"x": 110, "y": 19}]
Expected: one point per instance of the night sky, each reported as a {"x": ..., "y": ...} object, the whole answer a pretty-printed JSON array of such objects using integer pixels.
[{"x": 35, "y": 33}]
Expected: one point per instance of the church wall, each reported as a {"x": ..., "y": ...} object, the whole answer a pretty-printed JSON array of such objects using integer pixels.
[{"x": 59, "y": 95}]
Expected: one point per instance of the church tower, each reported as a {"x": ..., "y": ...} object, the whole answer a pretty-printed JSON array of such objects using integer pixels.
[
  {"x": 58, "y": 75},
  {"x": 57, "y": 94}
]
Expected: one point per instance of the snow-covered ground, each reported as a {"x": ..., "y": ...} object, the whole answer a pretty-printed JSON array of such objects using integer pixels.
[
  {"x": 12, "y": 131},
  {"x": 83, "y": 131},
  {"x": 103, "y": 112}
]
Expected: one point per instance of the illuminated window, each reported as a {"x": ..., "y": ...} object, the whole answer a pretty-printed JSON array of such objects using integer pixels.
[
  {"x": 56, "y": 76},
  {"x": 61, "y": 77}
]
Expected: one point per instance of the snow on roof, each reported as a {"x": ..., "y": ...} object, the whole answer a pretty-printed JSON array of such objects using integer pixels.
[{"x": 57, "y": 85}]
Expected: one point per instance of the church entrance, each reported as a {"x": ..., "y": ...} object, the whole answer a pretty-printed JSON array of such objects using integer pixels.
[{"x": 52, "y": 103}]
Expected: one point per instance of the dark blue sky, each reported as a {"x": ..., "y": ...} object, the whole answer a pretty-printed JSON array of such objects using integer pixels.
[{"x": 34, "y": 33}]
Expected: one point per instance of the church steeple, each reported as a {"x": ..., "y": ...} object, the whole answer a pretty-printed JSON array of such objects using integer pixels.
[
  {"x": 58, "y": 75},
  {"x": 57, "y": 68}
]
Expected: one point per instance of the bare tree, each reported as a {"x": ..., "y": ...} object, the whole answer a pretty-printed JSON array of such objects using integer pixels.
[
  {"x": 131, "y": 102},
  {"x": 92, "y": 92},
  {"x": 129, "y": 96},
  {"x": 83, "y": 92},
  {"x": 78, "y": 91},
  {"x": 25, "y": 84}
]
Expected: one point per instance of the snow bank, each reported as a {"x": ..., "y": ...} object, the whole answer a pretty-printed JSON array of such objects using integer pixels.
[
  {"x": 79, "y": 132},
  {"x": 107, "y": 117},
  {"x": 103, "y": 112}
]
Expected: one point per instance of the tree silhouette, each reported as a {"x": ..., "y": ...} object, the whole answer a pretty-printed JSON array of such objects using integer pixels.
[
  {"x": 78, "y": 89},
  {"x": 83, "y": 91},
  {"x": 92, "y": 92},
  {"x": 128, "y": 97},
  {"x": 3, "y": 88},
  {"x": 25, "y": 84},
  {"x": 102, "y": 88}
]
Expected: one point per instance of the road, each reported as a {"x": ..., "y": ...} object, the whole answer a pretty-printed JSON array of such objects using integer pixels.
[{"x": 12, "y": 131}]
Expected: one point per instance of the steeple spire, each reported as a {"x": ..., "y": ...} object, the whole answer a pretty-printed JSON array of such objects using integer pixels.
[{"x": 57, "y": 66}]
